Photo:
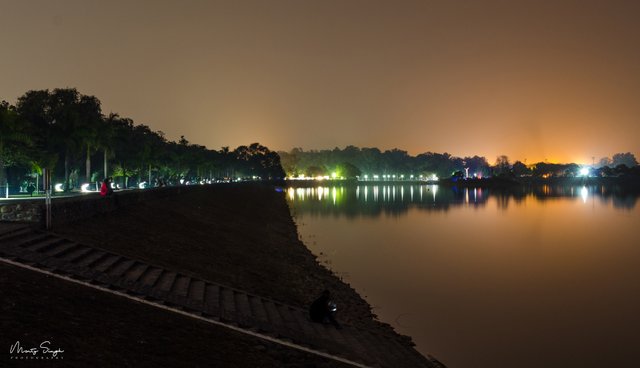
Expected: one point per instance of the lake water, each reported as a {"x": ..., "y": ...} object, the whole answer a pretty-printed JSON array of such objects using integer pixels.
[{"x": 544, "y": 277}]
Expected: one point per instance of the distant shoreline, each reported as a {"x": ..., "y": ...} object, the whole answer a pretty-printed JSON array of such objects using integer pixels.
[{"x": 630, "y": 182}]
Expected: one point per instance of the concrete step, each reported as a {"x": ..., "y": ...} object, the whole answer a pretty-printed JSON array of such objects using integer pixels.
[
  {"x": 242, "y": 304},
  {"x": 212, "y": 299},
  {"x": 257, "y": 309},
  {"x": 22, "y": 254},
  {"x": 196, "y": 290},
  {"x": 25, "y": 240},
  {"x": 150, "y": 276},
  {"x": 302, "y": 321},
  {"x": 104, "y": 263},
  {"x": 9, "y": 229},
  {"x": 273, "y": 314},
  {"x": 136, "y": 271},
  {"x": 18, "y": 233},
  {"x": 181, "y": 286},
  {"x": 43, "y": 245},
  {"x": 60, "y": 249},
  {"x": 341, "y": 336},
  {"x": 53, "y": 264},
  {"x": 76, "y": 254},
  {"x": 228, "y": 309},
  {"x": 121, "y": 267},
  {"x": 127, "y": 274},
  {"x": 166, "y": 280},
  {"x": 90, "y": 258},
  {"x": 148, "y": 281},
  {"x": 320, "y": 329},
  {"x": 291, "y": 326},
  {"x": 279, "y": 325}
]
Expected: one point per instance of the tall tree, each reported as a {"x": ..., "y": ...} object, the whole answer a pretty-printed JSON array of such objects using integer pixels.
[
  {"x": 89, "y": 127},
  {"x": 502, "y": 166},
  {"x": 124, "y": 148},
  {"x": 14, "y": 140},
  {"x": 105, "y": 141},
  {"x": 64, "y": 104}
]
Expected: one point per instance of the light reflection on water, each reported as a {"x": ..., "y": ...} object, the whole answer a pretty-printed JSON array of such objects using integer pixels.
[
  {"x": 373, "y": 200},
  {"x": 488, "y": 277},
  {"x": 363, "y": 193}
]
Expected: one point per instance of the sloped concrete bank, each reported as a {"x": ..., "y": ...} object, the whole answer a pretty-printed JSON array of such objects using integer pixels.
[{"x": 239, "y": 235}]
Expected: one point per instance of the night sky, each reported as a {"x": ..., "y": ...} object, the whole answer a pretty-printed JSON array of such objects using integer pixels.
[{"x": 535, "y": 80}]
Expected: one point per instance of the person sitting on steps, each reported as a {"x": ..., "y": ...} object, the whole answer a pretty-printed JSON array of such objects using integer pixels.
[{"x": 323, "y": 310}]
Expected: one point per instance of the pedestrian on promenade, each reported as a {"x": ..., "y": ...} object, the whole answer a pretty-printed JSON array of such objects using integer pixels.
[
  {"x": 323, "y": 310},
  {"x": 105, "y": 189},
  {"x": 30, "y": 189}
]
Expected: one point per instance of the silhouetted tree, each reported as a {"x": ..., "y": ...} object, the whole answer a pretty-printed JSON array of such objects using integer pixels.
[
  {"x": 90, "y": 118},
  {"x": 605, "y": 161},
  {"x": 14, "y": 140},
  {"x": 520, "y": 169},
  {"x": 478, "y": 166},
  {"x": 502, "y": 166},
  {"x": 628, "y": 159},
  {"x": 348, "y": 170}
]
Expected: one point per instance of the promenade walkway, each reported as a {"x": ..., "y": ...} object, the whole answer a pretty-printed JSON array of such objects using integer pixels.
[{"x": 206, "y": 300}]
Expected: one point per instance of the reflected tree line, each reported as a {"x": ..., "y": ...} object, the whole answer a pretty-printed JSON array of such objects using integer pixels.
[
  {"x": 67, "y": 133},
  {"x": 397, "y": 200}
]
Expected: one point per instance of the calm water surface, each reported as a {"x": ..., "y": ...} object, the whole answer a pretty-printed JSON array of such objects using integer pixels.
[{"x": 544, "y": 277}]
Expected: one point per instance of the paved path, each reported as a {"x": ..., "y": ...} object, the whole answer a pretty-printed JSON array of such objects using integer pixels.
[{"x": 180, "y": 292}]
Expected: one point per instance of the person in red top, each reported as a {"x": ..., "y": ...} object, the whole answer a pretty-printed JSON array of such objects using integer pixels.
[{"x": 105, "y": 189}]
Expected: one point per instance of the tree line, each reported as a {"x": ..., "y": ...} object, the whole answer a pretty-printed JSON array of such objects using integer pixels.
[
  {"x": 66, "y": 133},
  {"x": 352, "y": 162}
]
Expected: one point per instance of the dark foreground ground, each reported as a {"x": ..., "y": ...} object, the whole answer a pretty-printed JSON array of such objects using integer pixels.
[
  {"x": 96, "y": 329},
  {"x": 242, "y": 236}
]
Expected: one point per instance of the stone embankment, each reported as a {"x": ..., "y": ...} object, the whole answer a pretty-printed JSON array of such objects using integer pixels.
[
  {"x": 179, "y": 291},
  {"x": 228, "y": 253},
  {"x": 23, "y": 211},
  {"x": 70, "y": 209}
]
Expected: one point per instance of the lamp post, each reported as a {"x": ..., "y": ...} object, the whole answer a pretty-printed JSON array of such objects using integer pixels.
[{"x": 46, "y": 183}]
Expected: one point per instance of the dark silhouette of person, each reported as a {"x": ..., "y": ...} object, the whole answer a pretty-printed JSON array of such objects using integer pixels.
[
  {"x": 323, "y": 310},
  {"x": 31, "y": 188}
]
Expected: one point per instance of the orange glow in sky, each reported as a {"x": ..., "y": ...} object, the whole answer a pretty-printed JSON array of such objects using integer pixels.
[{"x": 529, "y": 79}]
